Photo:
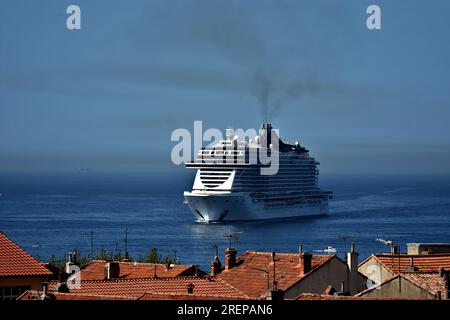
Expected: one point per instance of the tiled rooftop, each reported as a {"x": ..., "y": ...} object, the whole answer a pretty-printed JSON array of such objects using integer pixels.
[
  {"x": 68, "y": 296},
  {"x": 16, "y": 262},
  {"x": 253, "y": 273},
  {"x": 37, "y": 294},
  {"x": 137, "y": 287},
  {"x": 95, "y": 270},
  {"x": 312, "y": 296},
  {"x": 432, "y": 282},
  {"x": 165, "y": 296},
  {"x": 423, "y": 263}
]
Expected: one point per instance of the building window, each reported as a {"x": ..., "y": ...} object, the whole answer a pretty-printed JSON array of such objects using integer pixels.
[{"x": 11, "y": 293}]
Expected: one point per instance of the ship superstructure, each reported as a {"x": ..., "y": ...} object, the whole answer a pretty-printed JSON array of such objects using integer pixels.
[{"x": 230, "y": 183}]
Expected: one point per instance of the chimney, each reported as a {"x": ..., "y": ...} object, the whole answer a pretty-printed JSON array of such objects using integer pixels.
[
  {"x": 73, "y": 257},
  {"x": 305, "y": 260},
  {"x": 275, "y": 295},
  {"x": 72, "y": 265},
  {"x": 44, "y": 295},
  {"x": 230, "y": 258},
  {"x": 112, "y": 270},
  {"x": 216, "y": 266},
  {"x": 411, "y": 267},
  {"x": 352, "y": 259},
  {"x": 353, "y": 278},
  {"x": 63, "y": 287},
  {"x": 394, "y": 249}
]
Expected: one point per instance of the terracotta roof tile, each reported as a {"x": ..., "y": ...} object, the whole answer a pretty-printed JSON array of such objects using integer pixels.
[
  {"x": 16, "y": 262},
  {"x": 36, "y": 295},
  {"x": 423, "y": 263},
  {"x": 95, "y": 270},
  {"x": 165, "y": 296},
  {"x": 313, "y": 296},
  {"x": 68, "y": 296},
  {"x": 431, "y": 282},
  {"x": 253, "y": 273},
  {"x": 137, "y": 287}
]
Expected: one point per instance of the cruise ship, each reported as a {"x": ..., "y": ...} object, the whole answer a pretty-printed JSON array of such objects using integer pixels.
[{"x": 229, "y": 184}]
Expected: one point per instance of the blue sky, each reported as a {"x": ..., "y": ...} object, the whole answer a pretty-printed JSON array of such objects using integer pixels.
[{"x": 108, "y": 96}]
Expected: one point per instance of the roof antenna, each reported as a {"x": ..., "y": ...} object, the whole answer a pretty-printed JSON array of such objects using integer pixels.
[
  {"x": 274, "y": 281},
  {"x": 389, "y": 243},
  {"x": 216, "y": 247},
  {"x": 232, "y": 236},
  {"x": 394, "y": 251},
  {"x": 126, "y": 243},
  {"x": 344, "y": 238},
  {"x": 92, "y": 244}
]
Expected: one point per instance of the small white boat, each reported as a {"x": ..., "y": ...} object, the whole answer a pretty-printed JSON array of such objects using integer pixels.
[{"x": 330, "y": 249}]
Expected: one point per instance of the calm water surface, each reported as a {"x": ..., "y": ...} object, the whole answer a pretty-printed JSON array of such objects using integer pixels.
[{"x": 53, "y": 214}]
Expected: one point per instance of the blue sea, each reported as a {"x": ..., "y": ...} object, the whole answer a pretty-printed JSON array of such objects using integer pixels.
[{"x": 53, "y": 214}]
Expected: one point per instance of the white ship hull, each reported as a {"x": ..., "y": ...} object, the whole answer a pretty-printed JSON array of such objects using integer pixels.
[
  {"x": 226, "y": 206},
  {"x": 231, "y": 184}
]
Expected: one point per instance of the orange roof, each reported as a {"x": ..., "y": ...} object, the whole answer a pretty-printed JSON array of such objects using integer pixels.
[
  {"x": 137, "y": 287},
  {"x": 313, "y": 296},
  {"x": 253, "y": 273},
  {"x": 68, "y": 296},
  {"x": 16, "y": 262},
  {"x": 165, "y": 296},
  {"x": 95, "y": 270},
  {"x": 431, "y": 282},
  {"x": 423, "y": 263},
  {"x": 37, "y": 294}
]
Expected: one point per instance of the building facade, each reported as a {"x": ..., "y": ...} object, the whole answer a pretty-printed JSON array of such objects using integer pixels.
[{"x": 19, "y": 271}]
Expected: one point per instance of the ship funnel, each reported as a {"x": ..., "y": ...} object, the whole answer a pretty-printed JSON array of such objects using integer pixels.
[
  {"x": 266, "y": 134},
  {"x": 229, "y": 132}
]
